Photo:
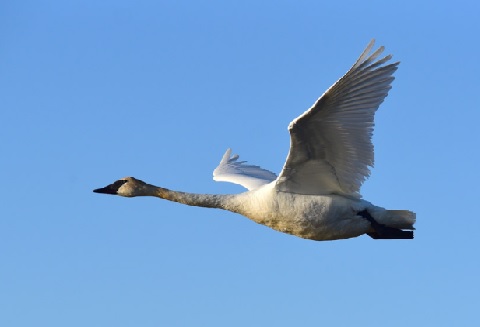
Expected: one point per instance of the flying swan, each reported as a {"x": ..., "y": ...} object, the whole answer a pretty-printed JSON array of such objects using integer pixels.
[{"x": 316, "y": 196}]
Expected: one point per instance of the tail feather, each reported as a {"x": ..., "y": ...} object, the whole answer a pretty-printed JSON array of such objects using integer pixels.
[
  {"x": 400, "y": 219},
  {"x": 389, "y": 224}
]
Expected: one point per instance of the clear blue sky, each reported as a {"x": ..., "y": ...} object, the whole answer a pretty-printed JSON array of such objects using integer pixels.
[{"x": 92, "y": 91}]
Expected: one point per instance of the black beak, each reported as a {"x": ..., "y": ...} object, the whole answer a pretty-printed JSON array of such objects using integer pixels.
[
  {"x": 111, "y": 189},
  {"x": 106, "y": 190}
]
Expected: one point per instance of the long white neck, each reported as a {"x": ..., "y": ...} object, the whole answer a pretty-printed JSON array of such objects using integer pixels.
[{"x": 192, "y": 199}]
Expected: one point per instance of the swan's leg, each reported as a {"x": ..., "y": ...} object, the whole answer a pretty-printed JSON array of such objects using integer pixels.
[{"x": 381, "y": 231}]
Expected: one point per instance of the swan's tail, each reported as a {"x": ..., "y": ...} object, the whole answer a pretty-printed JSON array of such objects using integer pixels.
[
  {"x": 389, "y": 224},
  {"x": 401, "y": 219}
]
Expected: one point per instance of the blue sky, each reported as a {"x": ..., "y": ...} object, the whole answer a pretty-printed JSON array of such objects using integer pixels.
[{"x": 92, "y": 91}]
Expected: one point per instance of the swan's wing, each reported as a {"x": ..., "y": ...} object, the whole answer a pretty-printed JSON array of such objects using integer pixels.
[
  {"x": 330, "y": 144},
  {"x": 233, "y": 171}
]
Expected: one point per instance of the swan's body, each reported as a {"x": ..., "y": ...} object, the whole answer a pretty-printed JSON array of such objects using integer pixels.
[{"x": 316, "y": 196}]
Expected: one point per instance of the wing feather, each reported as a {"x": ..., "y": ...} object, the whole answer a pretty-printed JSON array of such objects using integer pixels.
[
  {"x": 238, "y": 172},
  {"x": 330, "y": 144}
]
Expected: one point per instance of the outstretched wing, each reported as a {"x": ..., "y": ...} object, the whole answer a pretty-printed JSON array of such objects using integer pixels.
[
  {"x": 330, "y": 144},
  {"x": 233, "y": 171}
]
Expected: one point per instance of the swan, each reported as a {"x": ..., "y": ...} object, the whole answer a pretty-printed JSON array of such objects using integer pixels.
[{"x": 316, "y": 195}]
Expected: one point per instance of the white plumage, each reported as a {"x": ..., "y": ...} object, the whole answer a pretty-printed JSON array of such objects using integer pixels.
[
  {"x": 316, "y": 195},
  {"x": 238, "y": 172}
]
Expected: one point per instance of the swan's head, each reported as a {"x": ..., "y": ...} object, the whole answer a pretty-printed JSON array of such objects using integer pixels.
[{"x": 128, "y": 187}]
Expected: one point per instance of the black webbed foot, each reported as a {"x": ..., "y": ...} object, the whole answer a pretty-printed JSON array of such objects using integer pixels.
[{"x": 384, "y": 232}]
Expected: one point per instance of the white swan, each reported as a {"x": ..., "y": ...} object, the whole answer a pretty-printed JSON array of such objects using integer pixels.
[{"x": 316, "y": 196}]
